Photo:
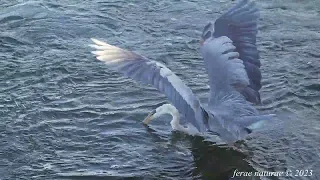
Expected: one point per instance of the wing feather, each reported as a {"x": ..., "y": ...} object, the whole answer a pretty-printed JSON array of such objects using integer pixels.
[
  {"x": 239, "y": 23},
  {"x": 224, "y": 68},
  {"x": 154, "y": 73}
]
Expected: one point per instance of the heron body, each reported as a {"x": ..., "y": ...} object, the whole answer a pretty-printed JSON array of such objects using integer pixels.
[{"x": 231, "y": 58}]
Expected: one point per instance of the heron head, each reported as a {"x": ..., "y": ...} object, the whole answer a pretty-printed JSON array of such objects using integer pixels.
[{"x": 164, "y": 109}]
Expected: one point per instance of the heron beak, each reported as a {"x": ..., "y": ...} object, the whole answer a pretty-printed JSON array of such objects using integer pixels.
[{"x": 149, "y": 117}]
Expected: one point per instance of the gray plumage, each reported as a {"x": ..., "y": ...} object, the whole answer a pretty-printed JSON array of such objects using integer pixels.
[{"x": 232, "y": 63}]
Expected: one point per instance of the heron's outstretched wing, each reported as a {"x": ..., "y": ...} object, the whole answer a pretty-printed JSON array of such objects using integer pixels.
[
  {"x": 154, "y": 73},
  {"x": 223, "y": 66},
  {"x": 239, "y": 23}
]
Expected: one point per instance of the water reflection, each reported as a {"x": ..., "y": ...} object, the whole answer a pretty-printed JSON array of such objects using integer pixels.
[{"x": 215, "y": 162}]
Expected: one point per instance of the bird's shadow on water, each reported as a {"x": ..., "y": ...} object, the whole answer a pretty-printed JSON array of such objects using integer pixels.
[{"x": 211, "y": 161}]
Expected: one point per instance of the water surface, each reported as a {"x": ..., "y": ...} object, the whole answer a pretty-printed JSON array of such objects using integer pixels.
[{"x": 64, "y": 115}]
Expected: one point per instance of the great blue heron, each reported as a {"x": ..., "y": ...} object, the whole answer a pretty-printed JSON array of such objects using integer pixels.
[{"x": 232, "y": 62}]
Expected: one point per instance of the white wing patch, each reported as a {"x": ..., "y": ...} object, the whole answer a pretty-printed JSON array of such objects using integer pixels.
[{"x": 111, "y": 54}]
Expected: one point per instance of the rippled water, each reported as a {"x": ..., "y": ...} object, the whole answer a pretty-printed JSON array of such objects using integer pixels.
[{"x": 64, "y": 115}]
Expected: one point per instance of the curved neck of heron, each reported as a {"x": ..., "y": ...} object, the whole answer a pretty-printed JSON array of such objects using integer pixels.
[{"x": 175, "y": 122}]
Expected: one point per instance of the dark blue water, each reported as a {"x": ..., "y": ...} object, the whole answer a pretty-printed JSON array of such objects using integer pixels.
[{"x": 64, "y": 115}]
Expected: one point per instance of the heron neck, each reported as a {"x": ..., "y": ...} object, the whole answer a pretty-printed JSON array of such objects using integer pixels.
[{"x": 175, "y": 122}]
